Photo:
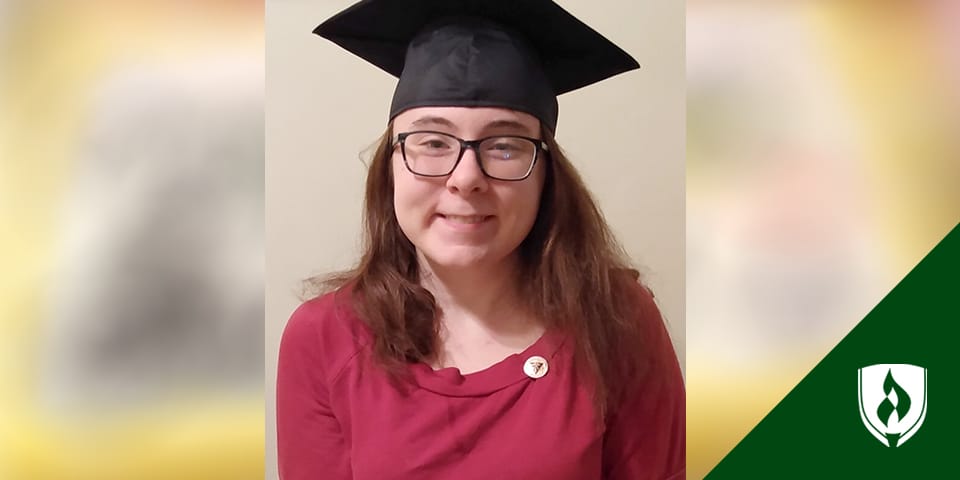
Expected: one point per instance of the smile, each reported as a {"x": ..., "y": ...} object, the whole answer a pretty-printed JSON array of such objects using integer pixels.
[{"x": 465, "y": 219}]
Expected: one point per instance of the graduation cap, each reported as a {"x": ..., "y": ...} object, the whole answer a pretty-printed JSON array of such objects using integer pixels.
[{"x": 516, "y": 54}]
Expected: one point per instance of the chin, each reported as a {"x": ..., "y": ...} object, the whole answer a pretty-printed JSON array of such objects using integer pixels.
[{"x": 459, "y": 256}]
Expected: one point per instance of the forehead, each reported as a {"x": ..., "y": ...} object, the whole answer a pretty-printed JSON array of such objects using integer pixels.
[{"x": 467, "y": 120}]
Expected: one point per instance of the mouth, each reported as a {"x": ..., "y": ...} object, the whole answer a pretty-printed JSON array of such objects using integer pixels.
[{"x": 465, "y": 219}]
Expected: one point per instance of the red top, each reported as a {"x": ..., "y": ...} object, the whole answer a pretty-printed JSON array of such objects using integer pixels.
[{"x": 339, "y": 418}]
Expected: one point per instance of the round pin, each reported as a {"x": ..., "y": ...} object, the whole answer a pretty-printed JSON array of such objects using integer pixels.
[{"x": 535, "y": 367}]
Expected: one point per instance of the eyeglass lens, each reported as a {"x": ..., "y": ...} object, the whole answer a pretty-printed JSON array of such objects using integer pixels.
[{"x": 436, "y": 154}]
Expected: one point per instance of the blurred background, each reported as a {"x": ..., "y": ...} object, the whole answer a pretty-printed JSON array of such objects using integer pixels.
[
  {"x": 131, "y": 232},
  {"x": 823, "y": 162}
]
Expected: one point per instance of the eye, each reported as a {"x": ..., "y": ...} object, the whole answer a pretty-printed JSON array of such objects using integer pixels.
[
  {"x": 435, "y": 144},
  {"x": 505, "y": 152},
  {"x": 431, "y": 142},
  {"x": 504, "y": 148}
]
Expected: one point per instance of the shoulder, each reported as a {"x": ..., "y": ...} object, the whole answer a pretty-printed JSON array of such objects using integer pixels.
[
  {"x": 651, "y": 325},
  {"x": 324, "y": 331},
  {"x": 637, "y": 305},
  {"x": 643, "y": 298},
  {"x": 647, "y": 341},
  {"x": 645, "y": 436},
  {"x": 647, "y": 312}
]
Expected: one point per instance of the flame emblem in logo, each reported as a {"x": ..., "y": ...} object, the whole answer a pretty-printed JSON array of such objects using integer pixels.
[{"x": 893, "y": 401}]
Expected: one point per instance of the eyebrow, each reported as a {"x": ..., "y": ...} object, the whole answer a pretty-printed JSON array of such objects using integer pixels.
[
  {"x": 512, "y": 124},
  {"x": 496, "y": 124},
  {"x": 433, "y": 120}
]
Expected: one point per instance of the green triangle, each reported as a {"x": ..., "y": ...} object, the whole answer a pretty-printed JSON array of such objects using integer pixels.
[{"x": 816, "y": 431}]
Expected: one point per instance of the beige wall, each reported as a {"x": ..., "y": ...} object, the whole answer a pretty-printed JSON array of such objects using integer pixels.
[{"x": 324, "y": 106}]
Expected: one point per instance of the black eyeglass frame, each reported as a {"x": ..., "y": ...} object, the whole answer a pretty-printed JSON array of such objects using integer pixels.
[{"x": 538, "y": 146}]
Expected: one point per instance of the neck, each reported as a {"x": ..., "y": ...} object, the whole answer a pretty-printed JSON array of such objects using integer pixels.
[
  {"x": 484, "y": 295},
  {"x": 481, "y": 316}
]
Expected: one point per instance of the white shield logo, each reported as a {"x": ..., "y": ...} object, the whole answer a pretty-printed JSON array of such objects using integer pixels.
[{"x": 893, "y": 401}]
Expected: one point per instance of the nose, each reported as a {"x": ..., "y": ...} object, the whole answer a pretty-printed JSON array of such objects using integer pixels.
[{"x": 467, "y": 177}]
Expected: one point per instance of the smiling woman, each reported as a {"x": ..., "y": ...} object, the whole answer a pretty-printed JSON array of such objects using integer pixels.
[
  {"x": 463, "y": 217},
  {"x": 493, "y": 326}
]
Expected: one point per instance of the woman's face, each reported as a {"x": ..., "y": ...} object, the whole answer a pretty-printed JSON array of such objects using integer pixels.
[{"x": 466, "y": 218}]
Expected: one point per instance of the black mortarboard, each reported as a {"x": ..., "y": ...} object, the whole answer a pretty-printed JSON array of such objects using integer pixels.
[{"x": 517, "y": 54}]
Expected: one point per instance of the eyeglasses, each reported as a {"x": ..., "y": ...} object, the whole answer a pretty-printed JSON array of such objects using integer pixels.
[{"x": 437, "y": 154}]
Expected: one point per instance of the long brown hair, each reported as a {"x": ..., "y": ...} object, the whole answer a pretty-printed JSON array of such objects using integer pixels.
[{"x": 575, "y": 276}]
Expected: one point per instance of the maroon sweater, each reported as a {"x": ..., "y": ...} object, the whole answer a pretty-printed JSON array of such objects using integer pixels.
[{"x": 340, "y": 418}]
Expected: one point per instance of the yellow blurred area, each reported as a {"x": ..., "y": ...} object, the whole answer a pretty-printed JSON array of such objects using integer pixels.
[
  {"x": 216, "y": 438},
  {"x": 894, "y": 66},
  {"x": 822, "y": 166},
  {"x": 106, "y": 286}
]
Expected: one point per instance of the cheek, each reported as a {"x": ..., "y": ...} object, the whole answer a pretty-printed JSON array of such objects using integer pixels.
[
  {"x": 399, "y": 187},
  {"x": 410, "y": 198},
  {"x": 527, "y": 204},
  {"x": 531, "y": 207},
  {"x": 535, "y": 195},
  {"x": 401, "y": 192}
]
